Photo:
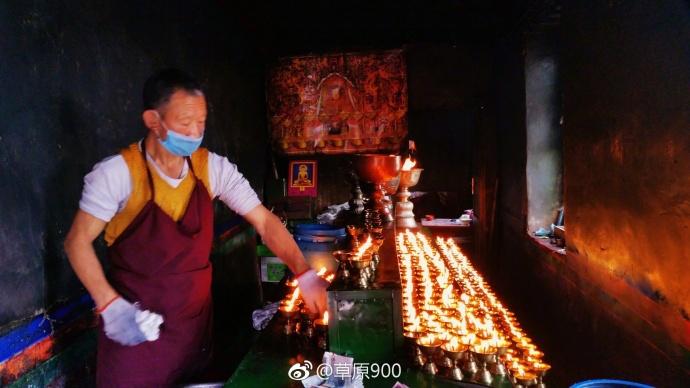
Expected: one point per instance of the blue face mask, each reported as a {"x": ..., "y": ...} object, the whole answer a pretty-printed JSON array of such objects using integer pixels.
[{"x": 179, "y": 144}]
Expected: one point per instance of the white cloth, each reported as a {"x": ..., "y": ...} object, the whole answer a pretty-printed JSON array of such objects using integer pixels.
[
  {"x": 108, "y": 186},
  {"x": 262, "y": 316},
  {"x": 149, "y": 324}
]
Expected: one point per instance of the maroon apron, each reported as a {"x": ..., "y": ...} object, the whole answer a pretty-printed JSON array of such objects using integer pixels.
[{"x": 164, "y": 265}]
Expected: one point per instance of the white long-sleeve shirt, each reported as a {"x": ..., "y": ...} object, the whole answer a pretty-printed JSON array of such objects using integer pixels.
[{"x": 109, "y": 184}]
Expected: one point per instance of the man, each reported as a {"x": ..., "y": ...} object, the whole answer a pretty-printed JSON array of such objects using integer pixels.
[{"x": 154, "y": 202}]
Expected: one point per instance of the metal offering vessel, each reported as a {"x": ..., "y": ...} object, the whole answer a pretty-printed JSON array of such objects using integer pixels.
[{"x": 377, "y": 170}]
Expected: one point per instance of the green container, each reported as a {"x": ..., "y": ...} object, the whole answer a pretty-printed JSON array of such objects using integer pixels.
[{"x": 365, "y": 324}]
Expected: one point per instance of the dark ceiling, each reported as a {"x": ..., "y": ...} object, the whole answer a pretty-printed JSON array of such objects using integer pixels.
[{"x": 299, "y": 27}]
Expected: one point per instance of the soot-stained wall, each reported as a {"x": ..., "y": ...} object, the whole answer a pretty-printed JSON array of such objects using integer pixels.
[
  {"x": 618, "y": 300},
  {"x": 627, "y": 142},
  {"x": 71, "y": 75}
]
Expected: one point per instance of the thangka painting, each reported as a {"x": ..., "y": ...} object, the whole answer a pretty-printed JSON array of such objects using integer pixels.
[{"x": 338, "y": 103}]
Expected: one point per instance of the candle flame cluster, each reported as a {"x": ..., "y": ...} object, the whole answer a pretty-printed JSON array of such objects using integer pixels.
[
  {"x": 447, "y": 303},
  {"x": 290, "y": 304},
  {"x": 292, "y": 300}
]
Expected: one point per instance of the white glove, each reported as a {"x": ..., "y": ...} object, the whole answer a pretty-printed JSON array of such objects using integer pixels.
[
  {"x": 126, "y": 324},
  {"x": 313, "y": 290}
]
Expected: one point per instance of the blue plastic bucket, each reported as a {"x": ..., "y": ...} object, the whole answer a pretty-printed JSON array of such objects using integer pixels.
[
  {"x": 321, "y": 230},
  {"x": 609, "y": 383},
  {"x": 317, "y": 241}
]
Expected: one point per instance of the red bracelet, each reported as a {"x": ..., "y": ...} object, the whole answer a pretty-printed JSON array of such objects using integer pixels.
[
  {"x": 302, "y": 273},
  {"x": 100, "y": 310}
]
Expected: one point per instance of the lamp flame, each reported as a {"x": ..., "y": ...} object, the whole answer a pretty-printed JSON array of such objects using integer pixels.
[
  {"x": 446, "y": 295},
  {"x": 409, "y": 164},
  {"x": 294, "y": 296},
  {"x": 363, "y": 248}
]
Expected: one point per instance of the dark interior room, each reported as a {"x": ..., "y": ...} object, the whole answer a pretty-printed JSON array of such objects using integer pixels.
[{"x": 345, "y": 194}]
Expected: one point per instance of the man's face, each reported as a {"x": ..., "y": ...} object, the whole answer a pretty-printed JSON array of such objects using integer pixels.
[{"x": 185, "y": 114}]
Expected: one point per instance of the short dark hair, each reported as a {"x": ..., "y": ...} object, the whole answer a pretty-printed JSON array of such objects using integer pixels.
[{"x": 163, "y": 84}]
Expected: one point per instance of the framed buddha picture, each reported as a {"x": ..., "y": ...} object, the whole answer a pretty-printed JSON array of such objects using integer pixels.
[{"x": 302, "y": 178}]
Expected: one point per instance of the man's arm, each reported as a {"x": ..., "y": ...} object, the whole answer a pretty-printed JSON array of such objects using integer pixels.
[
  {"x": 279, "y": 241},
  {"x": 277, "y": 238},
  {"x": 82, "y": 256},
  {"x": 231, "y": 187}
]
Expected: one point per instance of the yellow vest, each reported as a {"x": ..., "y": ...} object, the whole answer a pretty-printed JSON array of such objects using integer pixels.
[{"x": 172, "y": 200}]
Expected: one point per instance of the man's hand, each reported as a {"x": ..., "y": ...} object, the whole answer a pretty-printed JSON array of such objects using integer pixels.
[
  {"x": 313, "y": 290},
  {"x": 126, "y": 324}
]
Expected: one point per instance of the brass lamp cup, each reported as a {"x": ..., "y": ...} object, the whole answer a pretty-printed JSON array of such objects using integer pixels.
[
  {"x": 321, "y": 334},
  {"x": 404, "y": 216},
  {"x": 484, "y": 356},
  {"x": 342, "y": 256},
  {"x": 525, "y": 348},
  {"x": 308, "y": 330},
  {"x": 437, "y": 331},
  {"x": 289, "y": 314},
  {"x": 410, "y": 178},
  {"x": 290, "y": 317},
  {"x": 534, "y": 355},
  {"x": 361, "y": 270},
  {"x": 488, "y": 355},
  {"x": 497, "y": 369},
  {"x": 343, "y": 259},
  {"x": 469, "y": 366},
  {"x": 523, "y": 339},
  {"x": 320, "y": 325},
  {"x": 430, "y": 349},
  {"x": 410, "y": 336},
  {"x": 526, "y": 379},
  {"x": 360, "y": 263},
  {"x": 454, "y": 354},
  {"x": 412, "y": 332},
  {"x": 502, "y": 347},
  {"x": 540, "y": 370}
]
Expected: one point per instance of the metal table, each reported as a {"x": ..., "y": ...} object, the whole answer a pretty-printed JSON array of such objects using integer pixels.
[{"x": 268, "y": 361}]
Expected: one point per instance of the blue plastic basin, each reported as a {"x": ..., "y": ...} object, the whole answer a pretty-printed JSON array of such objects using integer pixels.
[
  {"x": 609, "y": 383},
  {"x": 322, "y": 230}
]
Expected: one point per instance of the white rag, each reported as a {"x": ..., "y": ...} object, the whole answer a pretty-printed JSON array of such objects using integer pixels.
[{"x": 149, "y": 324}]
